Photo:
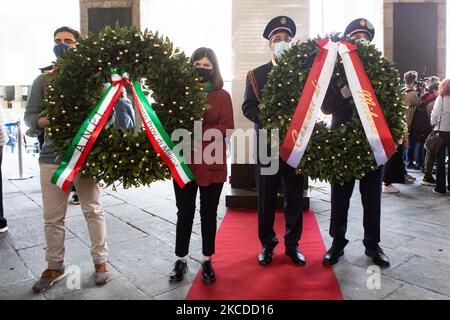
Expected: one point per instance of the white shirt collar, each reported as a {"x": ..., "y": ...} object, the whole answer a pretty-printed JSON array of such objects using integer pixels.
[{"x": 275, "y": 64}]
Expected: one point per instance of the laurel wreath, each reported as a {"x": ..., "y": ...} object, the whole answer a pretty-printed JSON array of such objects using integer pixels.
[
  {"x": 341, "y": 154},
  {"x": 122, "y": 156}
]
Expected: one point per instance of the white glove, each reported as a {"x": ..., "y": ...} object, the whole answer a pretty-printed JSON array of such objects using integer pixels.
[{"x": 346, "y": 93}]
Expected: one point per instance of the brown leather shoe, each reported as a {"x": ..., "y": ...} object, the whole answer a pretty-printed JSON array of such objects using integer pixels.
[
  {"x": 48, "y": 279},
  {"x": 102, "y": 275}
]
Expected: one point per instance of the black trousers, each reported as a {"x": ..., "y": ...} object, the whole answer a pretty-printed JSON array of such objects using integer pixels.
[
  {"x": 1, "y": 187},
  {"x": 268, "y": 187},
  {"x": 209, "y": 201},
  {"x": 370, "y": 189},
  {"x": 440, "y": 164},
  {"x": 394, "y": 169},
  {"x": 414, "y": 144}
]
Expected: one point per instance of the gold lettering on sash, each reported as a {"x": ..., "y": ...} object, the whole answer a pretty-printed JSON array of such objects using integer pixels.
[
  {"x": 368, "y": 108},
  {"x": 295, "y": 138},
  {"x": 308, "y": 118}
]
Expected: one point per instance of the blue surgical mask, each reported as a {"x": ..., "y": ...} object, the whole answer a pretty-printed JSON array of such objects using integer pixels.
[
  {"x": 60, "y": 48},
  {"x": 281, "y": 48}
]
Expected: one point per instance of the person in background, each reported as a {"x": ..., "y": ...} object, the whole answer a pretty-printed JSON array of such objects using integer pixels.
[
  {"x": 3, "y": 221},
  {"x": 75, "y": 199},
  {"x": 395, "y": 172},
  {"x": 411, "y": 101},
  {"x": 430, "y": 81},
  {"x": 440, "y": 120},
  {"x": 124, "y": 112},
  {"x": 420, "y": 126},
  {"x": 428, "y": 101},
  {"x": 11, "y": 132},
  {"x": 209, "y": 178}
]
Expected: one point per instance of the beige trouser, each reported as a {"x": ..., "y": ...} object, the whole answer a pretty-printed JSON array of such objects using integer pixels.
[{"x": 55, "y": 209}]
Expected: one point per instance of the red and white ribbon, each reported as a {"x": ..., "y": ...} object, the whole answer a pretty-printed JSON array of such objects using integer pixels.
[
  {"x": 369, "y": 110},
  {"x": 308, "y": 109}
]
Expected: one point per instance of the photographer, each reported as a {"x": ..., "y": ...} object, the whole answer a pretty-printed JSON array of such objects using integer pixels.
[
  {"x": 411, "y": 101},
  {"x": 428, "y": 102}
]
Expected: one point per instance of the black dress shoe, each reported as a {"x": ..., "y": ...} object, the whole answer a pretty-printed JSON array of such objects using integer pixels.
[
  {"x": 265, "y": 257},
  {"x": 179, "y": 270},
  {"x": 332, "y": 256},
  {"x": 297, "y": 257},
  {"x": 378, "y": 257},
  {"x": 208, "y": 274}
]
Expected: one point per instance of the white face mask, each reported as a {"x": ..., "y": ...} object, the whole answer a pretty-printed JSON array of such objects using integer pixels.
[
  {"x": 364, "y": 41},
  {"x": 281, "y": 48}
]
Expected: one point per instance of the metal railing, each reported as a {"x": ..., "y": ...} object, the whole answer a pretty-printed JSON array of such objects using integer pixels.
[{"x": 20, "y": 150}]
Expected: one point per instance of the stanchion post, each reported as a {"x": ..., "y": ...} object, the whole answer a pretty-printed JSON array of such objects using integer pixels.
[{"x": 20, "y": 153}]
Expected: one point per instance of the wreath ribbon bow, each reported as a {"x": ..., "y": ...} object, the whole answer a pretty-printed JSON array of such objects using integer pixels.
[
  {"x": 313, "y": 95},
  {"x": 119, "y": 78},
  {"x": 94, "y": 123}
]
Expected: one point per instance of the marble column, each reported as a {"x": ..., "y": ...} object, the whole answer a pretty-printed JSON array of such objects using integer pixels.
[{"x": 250, "y": 49}]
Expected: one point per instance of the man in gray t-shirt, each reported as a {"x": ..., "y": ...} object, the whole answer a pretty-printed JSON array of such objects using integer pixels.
[{"x": 54, "y": 199}]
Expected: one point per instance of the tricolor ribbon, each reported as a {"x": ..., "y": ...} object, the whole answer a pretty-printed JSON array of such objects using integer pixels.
[
  {"x": 93, "y": 125},
  {"x": 313, "y": 95}
]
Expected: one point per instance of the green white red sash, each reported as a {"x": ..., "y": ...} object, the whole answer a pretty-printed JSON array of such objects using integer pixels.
[
  {"x": 92, "y": 126},
  {"x": 308, "y": 109}
]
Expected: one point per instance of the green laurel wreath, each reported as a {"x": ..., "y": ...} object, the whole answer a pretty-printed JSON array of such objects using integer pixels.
[
  {"x": 119, "y": 155},
  {"x": 344, "y": 153}
]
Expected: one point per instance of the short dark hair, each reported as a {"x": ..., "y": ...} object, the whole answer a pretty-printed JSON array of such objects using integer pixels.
[
  {"x": 200, "y": 53},
  {"x": 75, "y": 33},
  {"x": 434, "y": 87}
]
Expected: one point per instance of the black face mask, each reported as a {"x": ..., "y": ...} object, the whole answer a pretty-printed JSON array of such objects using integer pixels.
[{"x": 206, "y": 74}]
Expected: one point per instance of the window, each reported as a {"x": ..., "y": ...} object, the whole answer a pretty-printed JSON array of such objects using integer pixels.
[{"x": 26, "y": 32}]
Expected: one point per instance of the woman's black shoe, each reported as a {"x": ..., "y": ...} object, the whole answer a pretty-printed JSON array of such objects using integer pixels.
[
  {"x": 208, "y": 274},
  {"x": 179, "y": 270}
]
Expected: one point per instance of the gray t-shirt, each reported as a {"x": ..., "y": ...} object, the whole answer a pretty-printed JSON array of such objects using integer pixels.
[{"x": 32, "y": 114}]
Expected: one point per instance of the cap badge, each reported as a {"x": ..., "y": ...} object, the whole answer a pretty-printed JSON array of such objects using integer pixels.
[
  {"x": 363, "y": 23},
  {"x": 283, "y": 21}
]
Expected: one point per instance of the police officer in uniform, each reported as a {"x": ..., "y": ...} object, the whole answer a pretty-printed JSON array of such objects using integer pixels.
[
  {"x": 337, "y": 103},
  {"x": 279, "y": 32}
]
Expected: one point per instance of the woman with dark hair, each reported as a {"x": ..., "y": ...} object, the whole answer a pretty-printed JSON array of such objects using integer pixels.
[
  {"x": 209, "y": 178},
  {"x": 440, "y": 120}
]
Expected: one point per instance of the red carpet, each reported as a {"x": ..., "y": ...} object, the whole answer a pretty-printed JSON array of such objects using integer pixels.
[{"x": 239, "y": 276}]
